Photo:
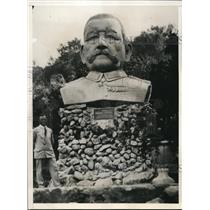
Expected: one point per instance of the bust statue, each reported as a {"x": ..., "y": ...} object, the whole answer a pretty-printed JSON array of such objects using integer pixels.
[
  {"x": 104, "y": 119},
  {"x": 105, "y": 50}
]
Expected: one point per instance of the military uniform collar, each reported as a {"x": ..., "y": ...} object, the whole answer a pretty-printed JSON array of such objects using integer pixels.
[{"x": 109, "y": 76}]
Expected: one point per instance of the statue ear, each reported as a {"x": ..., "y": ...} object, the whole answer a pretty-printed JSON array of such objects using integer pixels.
[
  {"x": 128, "y": 51},
  {"x": 82, "y": 54}
]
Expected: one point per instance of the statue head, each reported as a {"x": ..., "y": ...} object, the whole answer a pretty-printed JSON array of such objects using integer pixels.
[{"x": 106, "y": 46}]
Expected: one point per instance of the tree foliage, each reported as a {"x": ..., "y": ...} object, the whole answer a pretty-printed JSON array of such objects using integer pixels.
[{"x": 68, "y": 63}]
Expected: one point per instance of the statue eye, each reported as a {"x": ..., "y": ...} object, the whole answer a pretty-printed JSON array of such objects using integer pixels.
[
  {"x": 112, "y": 38},
  {"x": 91, "y": 38}
]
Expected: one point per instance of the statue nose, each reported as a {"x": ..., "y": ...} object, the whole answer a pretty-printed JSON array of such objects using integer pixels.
[{"x": 102, "y": 42}]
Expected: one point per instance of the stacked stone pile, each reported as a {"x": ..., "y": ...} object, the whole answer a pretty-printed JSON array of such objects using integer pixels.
[{"x": 118, "y": 154}]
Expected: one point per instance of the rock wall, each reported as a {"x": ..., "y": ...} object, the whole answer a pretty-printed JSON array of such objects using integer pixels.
[{"x": 90, "y": 153}]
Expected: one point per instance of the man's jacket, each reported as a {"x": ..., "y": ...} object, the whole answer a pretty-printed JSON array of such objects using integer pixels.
[{"x": 43, "y": 142}]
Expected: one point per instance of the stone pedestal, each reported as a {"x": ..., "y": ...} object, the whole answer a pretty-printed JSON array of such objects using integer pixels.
[{"x": 98, "y": 141}]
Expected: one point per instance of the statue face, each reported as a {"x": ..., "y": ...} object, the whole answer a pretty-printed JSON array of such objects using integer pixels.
[{"x": 104, "y": 48}]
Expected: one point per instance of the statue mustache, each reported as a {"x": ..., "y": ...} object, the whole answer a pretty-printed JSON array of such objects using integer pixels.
[{"x": 91, "y": 58}]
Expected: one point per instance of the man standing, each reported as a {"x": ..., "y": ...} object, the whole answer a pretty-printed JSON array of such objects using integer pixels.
[{"x": 43, "y": 151}]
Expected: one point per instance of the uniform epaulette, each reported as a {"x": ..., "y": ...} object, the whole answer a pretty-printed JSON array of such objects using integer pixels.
[
  {"x": 139, "y": 79},
  {"x": 74, "y": 81}
]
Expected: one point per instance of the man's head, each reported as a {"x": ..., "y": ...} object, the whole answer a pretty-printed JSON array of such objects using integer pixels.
[
  {"x": 43, "y": 120},
  {"x": 105, "y": 47}
]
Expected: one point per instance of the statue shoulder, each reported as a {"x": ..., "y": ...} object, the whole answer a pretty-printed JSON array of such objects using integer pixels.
[
  {"x": 142, "y": 85},
  {"x": 74, "y": 82},
  {"x": 135, "y": 82},
  {"x": 137, "y": 79},
  {"x": 74, "y": 85},
  {"x": 77, "y": 91}
]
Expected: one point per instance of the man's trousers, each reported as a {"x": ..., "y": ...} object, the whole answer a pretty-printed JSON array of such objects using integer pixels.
[{"x": 52, "y": 166}]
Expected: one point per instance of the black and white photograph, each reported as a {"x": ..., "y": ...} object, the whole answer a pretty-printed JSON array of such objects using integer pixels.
[{"x": 103, "y": 128}]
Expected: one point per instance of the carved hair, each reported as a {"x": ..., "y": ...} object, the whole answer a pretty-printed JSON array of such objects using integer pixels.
[{"x": 104, "y": 15}]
